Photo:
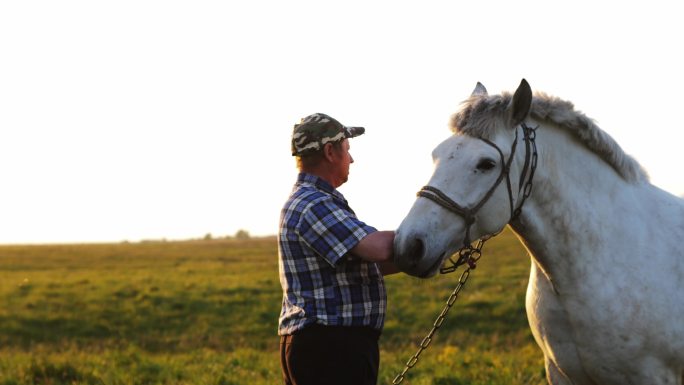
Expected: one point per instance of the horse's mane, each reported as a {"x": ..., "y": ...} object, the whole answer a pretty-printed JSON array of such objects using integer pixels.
[{"x": 480, "y": 114}]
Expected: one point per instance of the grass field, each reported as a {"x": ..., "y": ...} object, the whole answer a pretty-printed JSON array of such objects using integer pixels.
[{"x": 205, "y": 312}]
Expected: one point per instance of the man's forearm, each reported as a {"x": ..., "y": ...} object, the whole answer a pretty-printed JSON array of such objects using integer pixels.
[{"x": 387, "y": 267}]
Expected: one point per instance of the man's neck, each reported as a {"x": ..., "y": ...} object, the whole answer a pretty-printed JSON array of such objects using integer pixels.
[{"x": 324, "y": 174}]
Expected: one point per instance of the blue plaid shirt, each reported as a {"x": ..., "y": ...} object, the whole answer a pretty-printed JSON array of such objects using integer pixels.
[{"x": 322, "y": 282}]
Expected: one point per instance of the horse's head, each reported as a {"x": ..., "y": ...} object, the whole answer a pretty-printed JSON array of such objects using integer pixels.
[{"x": 478, "y": 182}]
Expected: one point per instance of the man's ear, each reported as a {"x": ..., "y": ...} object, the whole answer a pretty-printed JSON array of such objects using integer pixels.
[{"x": 328, "y": 151}]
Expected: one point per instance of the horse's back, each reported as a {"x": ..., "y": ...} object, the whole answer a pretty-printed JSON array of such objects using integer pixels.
[{"x": 662, "y": 218}]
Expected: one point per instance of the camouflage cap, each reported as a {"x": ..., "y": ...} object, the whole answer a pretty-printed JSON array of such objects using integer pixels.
[{"x": 314, "y": 131}]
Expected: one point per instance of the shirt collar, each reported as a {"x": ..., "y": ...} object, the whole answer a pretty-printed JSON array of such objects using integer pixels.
[
  {"x": 319, "y": 182},
  {"x": 322, "y": 185}
]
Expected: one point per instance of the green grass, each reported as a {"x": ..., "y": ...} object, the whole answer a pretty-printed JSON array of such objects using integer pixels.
[{"x": 205, "y": 312}]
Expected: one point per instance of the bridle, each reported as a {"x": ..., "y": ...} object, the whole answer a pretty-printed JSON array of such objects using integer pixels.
[{"x": 465, "y": 254}]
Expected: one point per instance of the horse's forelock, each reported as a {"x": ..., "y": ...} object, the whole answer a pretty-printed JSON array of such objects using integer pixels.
[{"x": 480, "y": 115}]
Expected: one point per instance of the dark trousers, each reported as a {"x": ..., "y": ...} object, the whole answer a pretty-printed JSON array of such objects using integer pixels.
[{"x": 330, "y": 355}]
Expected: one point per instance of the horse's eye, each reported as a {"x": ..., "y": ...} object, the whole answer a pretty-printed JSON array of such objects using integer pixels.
[{"x": 486, "y": 164}]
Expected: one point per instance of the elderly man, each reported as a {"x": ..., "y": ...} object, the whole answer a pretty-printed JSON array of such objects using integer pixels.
[{"x": 331, "y": 267}]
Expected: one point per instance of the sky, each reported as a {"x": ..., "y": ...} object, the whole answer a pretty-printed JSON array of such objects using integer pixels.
[{"x": 132, "y": 120}]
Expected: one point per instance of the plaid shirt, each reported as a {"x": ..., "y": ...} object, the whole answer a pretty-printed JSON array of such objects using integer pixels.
[{"x": 322, "y": 282}]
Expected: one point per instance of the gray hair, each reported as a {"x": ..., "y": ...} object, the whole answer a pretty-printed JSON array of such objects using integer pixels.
[{"x": 480, "y": 115}]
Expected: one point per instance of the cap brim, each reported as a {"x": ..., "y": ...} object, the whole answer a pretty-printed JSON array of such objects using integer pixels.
[{"x": 354, "y": 131}]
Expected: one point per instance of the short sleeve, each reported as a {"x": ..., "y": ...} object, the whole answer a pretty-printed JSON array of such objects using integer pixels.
[{"x": 331, "y": 231}]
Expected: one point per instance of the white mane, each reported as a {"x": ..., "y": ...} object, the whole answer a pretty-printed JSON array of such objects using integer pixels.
[{"x": 480, "y": 114}]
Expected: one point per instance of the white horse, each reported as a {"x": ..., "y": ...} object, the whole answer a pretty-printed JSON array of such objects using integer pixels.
[{"x": 605, "y": 299}]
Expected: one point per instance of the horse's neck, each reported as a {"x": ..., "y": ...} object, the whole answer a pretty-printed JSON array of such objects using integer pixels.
[{"x": 574, "y": 194}]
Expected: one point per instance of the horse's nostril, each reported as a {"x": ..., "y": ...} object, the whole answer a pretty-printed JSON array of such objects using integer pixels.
[{"x": 416, "y": 251}]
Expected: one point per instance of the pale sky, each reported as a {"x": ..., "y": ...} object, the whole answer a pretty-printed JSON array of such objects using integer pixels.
[{"x": 129, "y": 120}]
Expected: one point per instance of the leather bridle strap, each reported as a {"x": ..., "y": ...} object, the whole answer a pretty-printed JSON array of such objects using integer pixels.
[{"x": 468, "y": 213}]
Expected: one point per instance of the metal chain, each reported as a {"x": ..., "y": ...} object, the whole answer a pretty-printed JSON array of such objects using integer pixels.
[
  {"x": 465, "y": 255},
  {"x": 473, "y": 256}
]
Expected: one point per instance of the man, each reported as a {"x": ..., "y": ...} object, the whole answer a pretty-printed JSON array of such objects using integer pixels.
[{"x": 331, "y": 267}]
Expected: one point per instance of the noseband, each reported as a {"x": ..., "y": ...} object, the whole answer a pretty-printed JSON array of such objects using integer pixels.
[{"x": 468, "y": 213}]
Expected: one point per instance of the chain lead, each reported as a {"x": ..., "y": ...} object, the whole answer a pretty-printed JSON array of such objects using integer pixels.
[{"x": 473, "y": 256}]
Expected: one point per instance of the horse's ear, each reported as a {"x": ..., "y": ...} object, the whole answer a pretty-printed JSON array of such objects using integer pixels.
[
  {"x": 479, "y": 90},
  {"x": 521, "y": 103}
]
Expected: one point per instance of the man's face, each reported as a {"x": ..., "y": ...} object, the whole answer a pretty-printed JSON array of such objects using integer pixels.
[{"x": 342, "y": 161}]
